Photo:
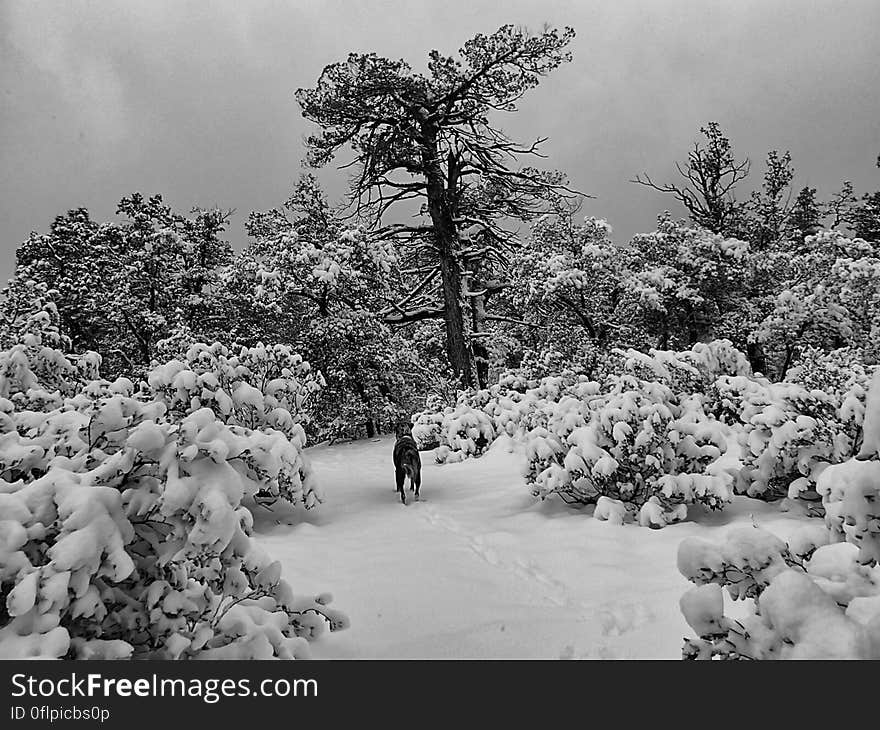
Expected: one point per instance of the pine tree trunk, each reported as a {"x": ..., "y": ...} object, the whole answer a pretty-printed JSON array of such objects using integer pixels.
[
  {"x": 757, "y": 358},
  {"x": 481, "y": 354},
  {"x": 456, "y": 342},
  {"x": 446, "y": 240}
]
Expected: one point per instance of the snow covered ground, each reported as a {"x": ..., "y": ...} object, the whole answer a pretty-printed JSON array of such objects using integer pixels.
[{"x": 479, "y": 569}]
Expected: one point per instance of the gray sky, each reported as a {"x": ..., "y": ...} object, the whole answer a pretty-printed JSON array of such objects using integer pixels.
[{"x": 195, "y": 99}]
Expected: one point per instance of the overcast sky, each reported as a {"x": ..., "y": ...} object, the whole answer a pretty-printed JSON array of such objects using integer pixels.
[{"x": 195, "y": 99}]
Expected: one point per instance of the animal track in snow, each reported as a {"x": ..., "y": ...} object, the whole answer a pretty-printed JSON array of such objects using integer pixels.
[
  {"x": 614, "y": 620},
  {"x": 478, "y": 545},
  {"x": 553, "y": 590},
  {"x": 619, "y": 620},
  {"x": 557, "y": 592}
]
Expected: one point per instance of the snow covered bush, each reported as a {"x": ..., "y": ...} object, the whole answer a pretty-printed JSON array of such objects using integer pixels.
[
  {"x": 257, "y": 387},
  {"x": 788, "y": 431},
  {"x": 263, "y": 388},
  {"x": 789, "y": 436},
  {"x": 427, "y": 423},
  {"x": 454, "y": 432},
  {"x": 641, "y": 445},
  {"x": 688, "y": 371},
  {"x": 809, "y": 598},
  {"x": 514, "y": 405},
  {"x": 547, "y": 425},
  {"x": 465, "y": 431},
  {"x": 554, "y": 399},
  {"x": 122, "y": 528},
  {"x": 643, "y": 436},
  {"x": 791, "y": 430},
  {"x": 817, "y": 596},
  {"x": 842, "y": 374}
]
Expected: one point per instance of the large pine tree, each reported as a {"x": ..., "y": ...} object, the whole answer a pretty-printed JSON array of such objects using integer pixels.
[{"x": 428, "y": 138}]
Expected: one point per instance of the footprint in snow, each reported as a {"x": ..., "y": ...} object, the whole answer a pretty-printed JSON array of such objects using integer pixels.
[
  {"x": 619, "y": 620},
  {"x": 488, "y": 554},
  {"x": 555, "y": 592}
]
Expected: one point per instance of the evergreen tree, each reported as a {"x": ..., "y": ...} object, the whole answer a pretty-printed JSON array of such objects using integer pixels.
[{"x": 428, "y": 138}]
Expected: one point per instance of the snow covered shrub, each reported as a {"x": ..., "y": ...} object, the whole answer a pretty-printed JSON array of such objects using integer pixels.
[
  {"x": 556, "y": 399},
  {"x": 515, "y": 405},
  {"x": 265, "y": 385},
  {"x": 264, "y": 388},
  {"x": 547, "y": 425},
  {"x": 793, "y": 429},
  {"x": 790, "y": 430},
  {"x": 729, "y": 395},
  {"x": 789, "y": 435},
  {"x": 642, "y": 437},
  {"x": 715, "y": 370},
  {"x": 809, "y": 598},
  {"x": 645, "y": 441},
  {"x": 851, "y": 491},
  {"x": 122, "y": 529},
  {"x": 834, "y": 371},
  {"x": 511, "y": 397},
  {"x": 688, "y": 371},
  {"x": 465, "y": 431},
  {"x": 456, "y": 432},
  {"x": 818, "y": 596},
  {"x": 427, "y": 424},
  {"x": 642, "y": 445},
  {"x": 667, "y": 429}
]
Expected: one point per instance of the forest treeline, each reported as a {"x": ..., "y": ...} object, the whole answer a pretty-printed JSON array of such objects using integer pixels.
[{"x": 452, "y": 259}]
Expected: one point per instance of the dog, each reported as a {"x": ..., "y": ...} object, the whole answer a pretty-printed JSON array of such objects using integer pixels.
[{"x": 407, "y": 463}]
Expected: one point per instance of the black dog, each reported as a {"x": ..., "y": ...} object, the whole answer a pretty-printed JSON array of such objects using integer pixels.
[{"x": 407, "y": 463}]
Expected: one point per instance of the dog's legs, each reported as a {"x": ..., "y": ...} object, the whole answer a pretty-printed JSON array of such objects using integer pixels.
[
  {"x": 399, "y": 476},
  {"x": 417, "y": 480}
]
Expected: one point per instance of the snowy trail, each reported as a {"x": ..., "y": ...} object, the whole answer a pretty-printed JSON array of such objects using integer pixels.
[{"x": 478, "y": 568}]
